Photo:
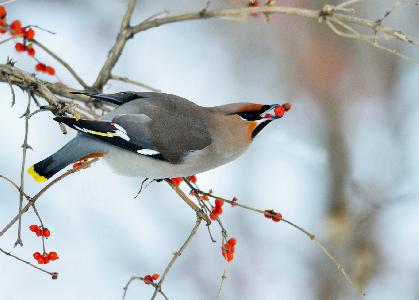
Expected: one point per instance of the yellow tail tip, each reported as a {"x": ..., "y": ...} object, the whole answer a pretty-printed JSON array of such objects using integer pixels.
[{"x": 36, "y": 176}]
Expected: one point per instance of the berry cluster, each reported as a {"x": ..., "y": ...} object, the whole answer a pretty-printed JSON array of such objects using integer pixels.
[
  {"x": 45, "y": 232},
  {"x": 40, "y": 67},
  {"x": 271, "y": 214},
  {"x": 217, "y": 210},
  {"x": 46, "y": 258},
  {"x": 27, "y": 34},
  {"x": 227, "y": 250},
  {"x": 178, "y": 180},
  {"x": 149, "y": 279}
]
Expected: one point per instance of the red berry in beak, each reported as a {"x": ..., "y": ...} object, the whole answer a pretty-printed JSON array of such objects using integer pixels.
[{"x": 279, "y": 111}]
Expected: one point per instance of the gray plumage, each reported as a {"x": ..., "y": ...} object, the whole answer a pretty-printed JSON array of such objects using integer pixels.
[{"x": 159, "y": 135}]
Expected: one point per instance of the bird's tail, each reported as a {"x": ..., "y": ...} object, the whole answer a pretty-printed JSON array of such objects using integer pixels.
[{"x": 77, "y": 149}]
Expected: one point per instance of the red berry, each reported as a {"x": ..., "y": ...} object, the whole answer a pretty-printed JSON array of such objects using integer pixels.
[
  {"x": 219, "y": 202},
  {"x": 229, "y": 256},
  {"x": 192, "y": 179},
  {"x": 228, "y": 247},
  {"x": 217, "y": 210},
  {"x": 41, "y": 260},
  {"x": 20, "y": 47},
  {"x": 46, "y": 233},
  {"x": 3, "y": 12},
  {"x": 277, "y": 217},
  {"x": 46, "y": 259},
  {"x": 16, "y": 24},
  {"x": 40, "y": 67},
  {"x": 31, "y": 51},
  {"x": 50, "y": 70},
  {"x": 29, "y": 34},
  {"x": 53, "y": 255},
  {"x": 279, "y": 111},
  {"x": 148, "y": 279},
  {"x": 77, "y": 164},
  {"x": 232, "y": 242},
  {"x": 176, "y": 180},
  {"x": 36, "y": 255},
  {"x": 39, "y": 232},
  {"x": 213, "y": 216},
  {"x": 155, "y": 276},
  {"x": 33, "y": 228},
  {"x": 205, "y": 198},
  {"x": 16, "y": 28}
]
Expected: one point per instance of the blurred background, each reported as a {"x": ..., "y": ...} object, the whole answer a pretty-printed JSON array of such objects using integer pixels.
[{"x": 343, "y": 163}]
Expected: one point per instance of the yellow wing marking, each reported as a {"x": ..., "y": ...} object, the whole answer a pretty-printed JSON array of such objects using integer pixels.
[{"x": 36, "y": 176}]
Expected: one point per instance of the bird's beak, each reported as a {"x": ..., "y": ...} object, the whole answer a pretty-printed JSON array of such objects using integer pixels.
[{"x": 276, "y": 111}]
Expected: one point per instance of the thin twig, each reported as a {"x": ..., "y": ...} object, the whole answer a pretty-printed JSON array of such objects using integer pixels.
[
  {"x": 62, "y": 62},
  {"x": 188, "y": 201},
  {"x": 10, "y": 39},
  {"x": 32, "y": 200},
  {"x": 177, "y": 254},
  {"x": 15, "y": 185},
  {"x": 142, "y": 279},
  {"x": 116, "y": 51},
  {"x": 54, "y": 275},
  {"x": 140, "y": 84},
  {"x": 311, "y": 236},
  {"x": 42, "y": 227},
  {"x": 223, "y": 278},
  {"x": 357, "y": 35},
  {"x": 347, "y": 3},
  {"x": 25, "y": 147}
]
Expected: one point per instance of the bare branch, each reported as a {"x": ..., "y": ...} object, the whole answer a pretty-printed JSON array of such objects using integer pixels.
[
  {"x": 116, "y": 51},
  {"x": 32, "y": 200},
  {"x": 223, "y": 278},
  {"x": 25, "y": 147},
  {"x": 140, "y": 84},
  {"x": 177, "y": 254},
  {"x": 348, "y": 3},
  {"x": 142, "y": 279},
  {"x": 54, "y": 275},
  {"x": 14, "y": 185},
  {"x": 188, "y": 201},
  {"x": 62, "y": 62},
  {"x": 311, "y": 236}
]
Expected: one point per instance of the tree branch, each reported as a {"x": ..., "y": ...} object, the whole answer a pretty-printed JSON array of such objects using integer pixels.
[
  {"x": 177, "y": 254},
  {"x": 32, "y": 200},
  {"x": 62, "y": 62},
  {"x": 54, "y": 275},
  {"x": 25, "y": 147},
  {"x": 124, "y": 34},
  {"x": 140, "y": 84}
]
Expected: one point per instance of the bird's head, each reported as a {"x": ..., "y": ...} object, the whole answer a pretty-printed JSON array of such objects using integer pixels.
[{"x": 257, "y": 115}]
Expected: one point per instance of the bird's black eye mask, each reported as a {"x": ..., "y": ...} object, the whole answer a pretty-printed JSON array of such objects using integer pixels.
[{"x": 255, "y": 114}]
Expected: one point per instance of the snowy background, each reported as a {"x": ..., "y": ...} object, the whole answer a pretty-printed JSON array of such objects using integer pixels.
[{"x": 364, "y": 96}]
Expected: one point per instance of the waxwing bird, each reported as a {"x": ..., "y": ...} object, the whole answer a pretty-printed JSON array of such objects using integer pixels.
[{"x": 158, "y": 135}]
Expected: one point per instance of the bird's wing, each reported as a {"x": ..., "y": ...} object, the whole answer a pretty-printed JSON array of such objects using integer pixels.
[
  {"x": 118, "y": 98},
  {"x": 158, "y": 134}
]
